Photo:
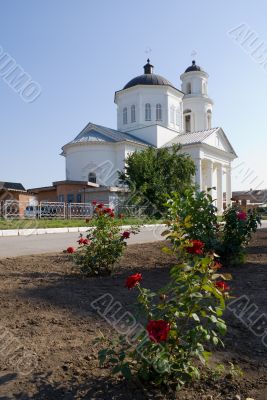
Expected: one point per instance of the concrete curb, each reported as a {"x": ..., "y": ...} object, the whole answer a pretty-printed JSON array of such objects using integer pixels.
[
  {"x": 78, "y": 229},
  {"x": 44, "y": 231}
]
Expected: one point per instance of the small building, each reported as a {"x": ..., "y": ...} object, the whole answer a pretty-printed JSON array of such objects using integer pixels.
[
  {"x": 250, "y": 198},
  {"x": 14, "y": 199},
  {"x": 69, "y": 191}
]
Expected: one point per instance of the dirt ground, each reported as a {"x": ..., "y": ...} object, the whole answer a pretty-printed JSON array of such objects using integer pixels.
[{"x": 45, "y": 309}]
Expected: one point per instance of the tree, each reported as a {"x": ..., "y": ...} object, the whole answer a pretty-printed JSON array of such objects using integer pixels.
[{"x": 154, "y": 173}]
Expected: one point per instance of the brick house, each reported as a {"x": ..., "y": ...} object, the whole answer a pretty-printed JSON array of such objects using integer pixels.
[
  {"x": 14, "y": 198},
  {"x": 78, "y": 192}
]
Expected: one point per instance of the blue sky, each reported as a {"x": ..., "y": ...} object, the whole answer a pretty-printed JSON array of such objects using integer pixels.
[{"x": 82, "y": 51}]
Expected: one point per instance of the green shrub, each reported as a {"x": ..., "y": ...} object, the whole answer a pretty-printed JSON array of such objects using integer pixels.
[
  {"x": 181, "y": 319},
  {"x": 236, "y": 233},
  {"x": 198, "y": 214},
  {"x": 98, "y": 253}
]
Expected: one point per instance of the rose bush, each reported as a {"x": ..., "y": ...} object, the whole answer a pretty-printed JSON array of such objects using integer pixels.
[
  {"x": 181, "y": 320},
  {"x": 98, "y": 252},
  {"x": 199, "y": 216},
  {"x": 236, "y": 233}
]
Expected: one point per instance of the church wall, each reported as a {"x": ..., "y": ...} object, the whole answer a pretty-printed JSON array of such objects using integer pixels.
[
  {"x": 156, "y": 135},
  {"x": 199, "y": 107},
  {"x": 98, "y": 158},
  {"x": 153, "y": 95}
]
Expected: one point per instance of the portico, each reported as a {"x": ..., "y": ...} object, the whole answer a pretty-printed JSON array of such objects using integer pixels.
[{"x": 216, "y": 176}]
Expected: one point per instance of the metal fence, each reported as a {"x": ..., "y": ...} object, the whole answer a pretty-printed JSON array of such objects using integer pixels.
[
  {"x": 14, "y": 209},
  {"x": 80, "y": 210},
  {"x": 131, "y": 211}
]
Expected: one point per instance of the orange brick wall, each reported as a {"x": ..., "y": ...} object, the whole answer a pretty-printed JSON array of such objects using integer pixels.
[
  {"x": 47, "y": 195},
  {"x": 63, "y": 189}
]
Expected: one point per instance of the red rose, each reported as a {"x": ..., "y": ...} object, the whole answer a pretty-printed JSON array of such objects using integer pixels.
[
  {"x": 125, "y": 235},
  {"x": 70, "y": 250},
  {"x": 132, "y": 280},
  {"x": 221, "y": 285},
  {"x": 94, "y": 202},
  {"x": 158, "y": 330},
  {"x": 196, "y": 248},
  {"x": 100, "y": 205},
  {"x": 83, "y": 241},
  {"x": 241, "y": 215},
  {"x": 111, "y": 214}
]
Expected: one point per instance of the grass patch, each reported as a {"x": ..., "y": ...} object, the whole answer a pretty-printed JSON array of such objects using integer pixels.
[{"x": 65, "y": 223}]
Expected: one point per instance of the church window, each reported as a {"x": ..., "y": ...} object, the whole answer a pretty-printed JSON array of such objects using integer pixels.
[
  {"x": 172, "y": 114},
  {"x": 133, "y": 113},
  {"x": 209, "y": 119},
  {"x": 188, "y": 88},
  {"x": 125, "y": 115},
  {"x": 92, "y": 177},
  {"x": 188, "y": 123},
  {"x": 158, "y": 112},
  {"x": 177, "y": 116},
  {"x": 148, "y": 112}
]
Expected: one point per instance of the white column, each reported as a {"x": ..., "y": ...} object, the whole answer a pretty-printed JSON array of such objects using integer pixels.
[
  {"x": 228, "y": 186},
  {"x": 198, "y": 176},
  {"x": 219, "y": 189},
  {"x": 209, "y": 175}
]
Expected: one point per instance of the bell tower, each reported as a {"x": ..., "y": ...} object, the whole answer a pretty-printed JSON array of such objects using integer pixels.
[{"x": 197, "y": 106}]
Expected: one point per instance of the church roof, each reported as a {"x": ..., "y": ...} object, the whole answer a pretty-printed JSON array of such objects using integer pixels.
[
  {"x": 99, "y": 133},
  {"x": 148, "y": 78},
  {"x": 198, "y": 137},
  {"x": 193, "y": 67}
]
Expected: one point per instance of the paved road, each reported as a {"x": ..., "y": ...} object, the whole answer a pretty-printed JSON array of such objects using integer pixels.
[
  {"x": 37, "y": 244},
  {"x": 12, "y": 246}
]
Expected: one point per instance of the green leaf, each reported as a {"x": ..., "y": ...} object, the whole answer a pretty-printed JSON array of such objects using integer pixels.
[
  {"x": 195, "y": 317},
  {"x": 126, "y": 372}
]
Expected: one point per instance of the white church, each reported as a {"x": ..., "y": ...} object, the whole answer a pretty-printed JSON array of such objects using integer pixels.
[{"x": 151, "y": 111}]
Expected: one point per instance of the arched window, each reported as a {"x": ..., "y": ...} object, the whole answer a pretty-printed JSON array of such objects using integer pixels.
[
  {"x": 92, "y": 177},
  {"x": 209, "y": 119},
  {"x": 133, "y": 113},
  {"x": 188, "y": 88},
  {"x": 177, "y": 117},
  {"x": 125, "y": 115},
  {"x": 148, "y": 112},
  {"x": 172, "y": 114},
  {"x": 158, "y": 112},
  {"x": 188, "y": 123},
  {"x": 204, "y": 88}
]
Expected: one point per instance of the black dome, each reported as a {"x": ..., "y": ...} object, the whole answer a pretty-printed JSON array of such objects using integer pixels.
[
  {"x": 193, "y": 67},
  {"x": 148, "y": 78}
]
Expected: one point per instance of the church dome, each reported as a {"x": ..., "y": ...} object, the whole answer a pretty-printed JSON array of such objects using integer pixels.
[
  {"x": 193, "y": 67},
  {"x": 148, "y": 78}
]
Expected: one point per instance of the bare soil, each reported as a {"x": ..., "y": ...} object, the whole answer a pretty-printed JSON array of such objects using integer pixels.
[{"x": 45, "y": 308}]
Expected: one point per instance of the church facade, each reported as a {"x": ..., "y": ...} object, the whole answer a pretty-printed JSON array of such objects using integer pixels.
[{"x": 151, "y": 111}]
